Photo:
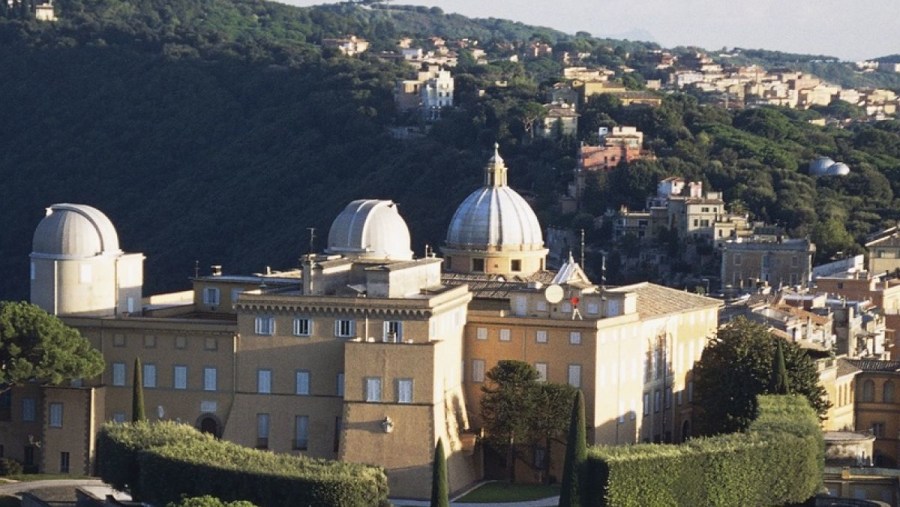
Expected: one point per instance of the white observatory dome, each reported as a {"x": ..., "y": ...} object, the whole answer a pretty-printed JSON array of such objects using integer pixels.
[
  {"x": 72, "y": 231},
  {"x": 370, "y": 229}
]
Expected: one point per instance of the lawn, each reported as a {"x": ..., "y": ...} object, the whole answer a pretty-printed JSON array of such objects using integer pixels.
[{"x": 497, "y": 491}]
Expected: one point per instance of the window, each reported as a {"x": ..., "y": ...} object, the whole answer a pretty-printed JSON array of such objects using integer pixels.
[
  {"x": 737, "y": 259},
  {"x": 516, "y": 265},
  {"x": 302, "y": 326},
  {"x": 478, "y": 370},
  {"x": 656, "y": 401},
  {"x": 540, "y": 336},
  {"x": 264, "y": 381},
  {"x": 344, "y": 328},
  {"x": 180, "y": 342},
  {"x": 504, "y": 335},
  {"x": 235, "y": 294},
  {"x": 868, "y": 391},
  {"x": 118, "y": 374},
  {"x": 180, "y": 377},
  {"x": 887, "y": 393},
  {"x": 118, "y": 340},
  {"x": 575, "y": 375},
  {"x": 302, "y": 382},
  {"x": 29, "y": 410},
  {"x": 301, "y": 432},
  {"x": 63, "y": 462},
  {"x": 646, "y": 403},
  {"x": 340, "y": 384},
  {"x": 478, "y": 265},
  {"x": 149, "y": 375},
  {"x": 56, "y": 415},
  {"x": 211, "y": 344},
  {"x": 211, "y": 296},
  {"x": 118, "y": 417},
  {"x": 393, "y": 331},
  {"x": 593, "y": 308},
  {"x": 33, "y": 271},
  {"x": 149, "y": 341},
  {"x": 262, "y": 431},
  {"x": 265, "y": 325},
  {"x": 481, "y": 333},
  {"x": 373, "y": 389},
  {"x": 404, "y": 390},
  {"x": 209, "y": 379},
  {"x": 542, "y": 371},
  {"x": 575, "y": 337}
]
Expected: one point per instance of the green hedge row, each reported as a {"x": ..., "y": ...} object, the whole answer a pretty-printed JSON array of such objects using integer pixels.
[
  {"x": 171, "y": 467},
  {"x": 778, "y": 460}
]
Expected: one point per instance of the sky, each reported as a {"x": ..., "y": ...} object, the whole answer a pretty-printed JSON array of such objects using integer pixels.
[{"x": 851, "y": 30}]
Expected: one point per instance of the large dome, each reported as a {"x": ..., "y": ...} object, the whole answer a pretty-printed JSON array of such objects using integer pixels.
[
  {"x": 495, "y": 217},
  {"x": 75, "y": 231},
  {"x": 370, "y": 229},
  {"x": 820, "y": 165}
]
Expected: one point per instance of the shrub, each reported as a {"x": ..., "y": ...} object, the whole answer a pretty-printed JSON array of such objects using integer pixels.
[
  {"x": 118, "y": 445},
  {"x": 9, "y": 466},
  {"x": 232, "y": 472},
  {"x": 778, "y": 460}
]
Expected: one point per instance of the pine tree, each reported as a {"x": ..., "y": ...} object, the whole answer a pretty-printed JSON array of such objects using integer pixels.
[
  {"x": 779, "y": 383},
  {"x": 137, "y": 393},
  {"x": 440, "y": 489},
  {"x": 576, "y": 454}
]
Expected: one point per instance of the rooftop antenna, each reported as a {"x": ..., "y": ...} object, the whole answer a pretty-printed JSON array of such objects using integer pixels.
[
  {"x": 603, "y": 270},
  {"x": 312, "y": 239},
  {"x": 582, "y": 248},
  {"x": 196, "y": 269}
]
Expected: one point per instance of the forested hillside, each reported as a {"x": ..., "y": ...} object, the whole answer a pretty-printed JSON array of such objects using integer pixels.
[{"x": 218, "y": 131}]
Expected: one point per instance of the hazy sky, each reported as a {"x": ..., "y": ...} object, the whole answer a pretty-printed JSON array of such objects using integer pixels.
[{"x": 848, "y": 29}]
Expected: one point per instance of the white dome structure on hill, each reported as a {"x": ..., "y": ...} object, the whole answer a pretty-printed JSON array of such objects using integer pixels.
[
  {"x": 824, "y": 166},
  {"x": 75, "y": 231},
  {"x": 370, "y": 229},
  {"x": 494, "y": 230}
]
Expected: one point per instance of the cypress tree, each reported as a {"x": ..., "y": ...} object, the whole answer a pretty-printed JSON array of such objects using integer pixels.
[
  {"x": 779, "y": 383},
  {"x": 440, "y": 489},
  {"x": 576, "y": 455},
  {"x": 137, "y": 393}
]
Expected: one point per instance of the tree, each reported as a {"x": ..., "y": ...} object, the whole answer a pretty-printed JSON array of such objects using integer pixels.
[
  {"x": 509, "y": 399},
  {"x": 736, "y": 366},
  {"x": 38, "y": 347},
  {"x": 550, "y": 418},
  {"x": 137, "y": 393},
  {"x": 779, "y": 383},
  {"x": 440, "y": 489},
  {"x": 576, "y": 455}
]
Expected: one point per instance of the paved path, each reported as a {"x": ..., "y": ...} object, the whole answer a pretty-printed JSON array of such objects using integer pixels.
[
  {"x": 15, "y": 488},
  {"x": 552, "y": 501}
]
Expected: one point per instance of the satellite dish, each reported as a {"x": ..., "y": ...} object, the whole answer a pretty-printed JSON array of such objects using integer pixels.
[{"x": 553, "y": 293}]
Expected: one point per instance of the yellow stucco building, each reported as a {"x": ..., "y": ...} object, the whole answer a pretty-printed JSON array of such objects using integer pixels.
[{"x": 363, "y": 352}]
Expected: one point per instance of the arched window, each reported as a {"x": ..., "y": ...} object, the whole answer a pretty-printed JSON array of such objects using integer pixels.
[
  {"x": 887, "y": 394},
  {"x": 868, "y": 391}
]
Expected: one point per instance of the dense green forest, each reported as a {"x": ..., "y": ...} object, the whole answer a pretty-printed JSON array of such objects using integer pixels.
[{"x": 219, "y": 131}]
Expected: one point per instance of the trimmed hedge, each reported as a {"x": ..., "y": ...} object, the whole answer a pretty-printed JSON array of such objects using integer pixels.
[
  {"x": 118, "y": 445},
  {"x": 171, "y": 468},
  {"x": 779, "y": 460}
]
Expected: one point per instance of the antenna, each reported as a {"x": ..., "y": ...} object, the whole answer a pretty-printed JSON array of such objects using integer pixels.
[
  {"x": 196, "y": 269},
  {"x": 312, "y": 239},
  {"x": 582, "y": 248},
  {"x": 603, "y": 271}
]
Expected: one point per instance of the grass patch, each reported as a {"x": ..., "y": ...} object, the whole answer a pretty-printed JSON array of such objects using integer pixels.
[
  {"x": 498, "y": 491},
  {"x": 10, "y": 501},
  {"x": 45, "y": 477}
]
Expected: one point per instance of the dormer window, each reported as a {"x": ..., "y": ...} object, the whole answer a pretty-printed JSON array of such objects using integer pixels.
[{"x": 478, "y": 265}]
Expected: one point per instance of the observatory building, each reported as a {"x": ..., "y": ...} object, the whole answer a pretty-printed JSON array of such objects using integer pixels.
[{"x": 362, "y": 352}]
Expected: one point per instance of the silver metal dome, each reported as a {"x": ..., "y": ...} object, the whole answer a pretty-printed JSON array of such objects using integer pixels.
[
  {"x": 495, "y": 217},
  {"x": 838, "y": 169},
  {"x": 820, "y": 165},
  {"x": 370, "y": 229},
  {"x": 71, "y": 231}
]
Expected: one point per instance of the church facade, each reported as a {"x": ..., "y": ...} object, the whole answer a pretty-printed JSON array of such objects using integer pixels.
[{"x": 363, "y": 352}]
